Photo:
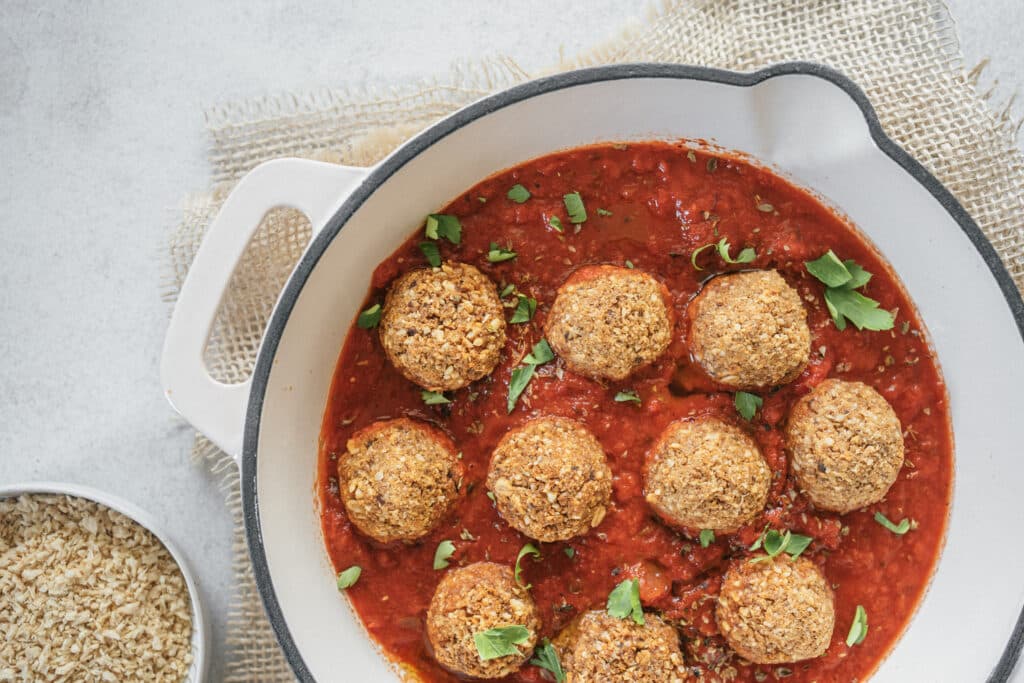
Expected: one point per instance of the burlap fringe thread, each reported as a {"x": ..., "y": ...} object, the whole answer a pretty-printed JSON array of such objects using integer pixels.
[{"x": 904, "y": 53}]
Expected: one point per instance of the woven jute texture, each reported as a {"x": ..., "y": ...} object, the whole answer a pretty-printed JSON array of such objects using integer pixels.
[{"x": 903, "y": 53}]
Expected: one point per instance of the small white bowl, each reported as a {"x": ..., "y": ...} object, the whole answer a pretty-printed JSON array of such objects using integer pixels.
[{"x": 200, "y": 633}]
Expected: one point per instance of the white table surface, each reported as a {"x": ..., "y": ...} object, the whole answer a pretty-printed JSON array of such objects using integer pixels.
[{"x": 101, "y": 132}]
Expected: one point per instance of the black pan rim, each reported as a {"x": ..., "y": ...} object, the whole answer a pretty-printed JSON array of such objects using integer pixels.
[{"x": 272, "y": 336}]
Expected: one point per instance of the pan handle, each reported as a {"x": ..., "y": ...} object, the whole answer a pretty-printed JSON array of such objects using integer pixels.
[{"x": 216, "y": 409}]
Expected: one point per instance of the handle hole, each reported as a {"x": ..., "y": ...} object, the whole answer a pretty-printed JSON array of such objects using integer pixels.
[{"x": 268, "y": 260}]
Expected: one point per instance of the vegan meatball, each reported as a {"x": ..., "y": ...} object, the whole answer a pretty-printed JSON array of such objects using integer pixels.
[
  {"x": 550, "y": 479},
  {"x": 706, "y": 474},
  {"x": 597, "y": 647},
  {"x": 845, "y": 444},
  {"x": 607, "y": 321},
  {"x": 443, "y": 328},
  {"x": 470, "y": 601},
  {"x": 749, "y": 330},
  {"x": 398, "y": 479},
  {"x": 776, "y": 611}
]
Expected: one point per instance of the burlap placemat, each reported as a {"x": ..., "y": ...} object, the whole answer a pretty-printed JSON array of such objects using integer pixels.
[{"x": 903, "y": 53}]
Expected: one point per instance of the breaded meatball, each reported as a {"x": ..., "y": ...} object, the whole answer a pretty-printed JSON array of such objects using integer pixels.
[
  {"x": 845, "y": 444},
  {"x": 398, "y": 479},
  {"x": 776, "y": 611},
  {"x": 597, "y": 647},
  {"x": 607, "y": 322},
  {"x": 749, "y": 330},
  {"x": 474, "y": 599},
  {"x": 706, "y": 474},
  {"x": 443, "y": 328},
  {"x": 550, "y": 479}
]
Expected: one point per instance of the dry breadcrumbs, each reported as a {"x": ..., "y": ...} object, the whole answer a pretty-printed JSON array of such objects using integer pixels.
[{"x": 86, "y": 594}]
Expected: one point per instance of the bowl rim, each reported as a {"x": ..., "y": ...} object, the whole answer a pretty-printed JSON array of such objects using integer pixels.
[
  {"x": 200, "y": 630},
  {"x": 460, "y": 118}
]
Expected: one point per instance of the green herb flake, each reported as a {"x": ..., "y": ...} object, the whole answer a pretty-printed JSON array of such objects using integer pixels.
[
  {"x": 707, "y": 537},
  {"x": 712, "y": 165},
  {"x": 570, "y": 552},
  {"x": 747, "y": 404},
  {"x": 546, "y": 657},
  {"x": 841, "y": 279},
  {"x": 490, "y": 494},
  {"x": 518, "y": 194},
  {"x": 432, "y": 253},
  {"x": 525, "y": 309},
  {"x": 540, "y": 354},
  {"x": 797, "y": 545},
  {"x": 859, "y": 627},
  {"x": 509, "y": 288},
  {"x": 500, "y": 642},
  {"x": 574, "y": 205},
  {"x": 745, "y": 256},
  {"x": 441, "y": 225},
  {"x": 348, "y": 578},
  {"x": 482, "y": 199},
  {"x": 696, "y": 253},
  {"x": 775, "y": 543},
  {"x": 898, "y": 529},
  {"x": 528, "y": 549},
  {"x": 829, "y": 269},
  {"x": 765, "y": 207},
  {"x": 434, "y": 398},
  {"x": 369, "y": 318},
  {"x": 627, "y": 397},
  {"x": 604, "y": 212},
  {"x": 629, "y": 264},
  {"x": 497, "y": 254},
  {"x": 444, "y": 552},
  {"x": 624, "y": 601},
  {"x": 521, "y": 377},
  {"x": 556, "y": 223}
]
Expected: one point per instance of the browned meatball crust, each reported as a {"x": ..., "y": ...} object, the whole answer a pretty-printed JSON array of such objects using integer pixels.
[
  {"x": 443, "y": 328},
  {"x": 474, "y": 599},
  {"x": 398, "y": 479},
  {"x": 845, "y": 445},
  {"x": 607, "y": 321},
  {"x": 749, "y": 330}
]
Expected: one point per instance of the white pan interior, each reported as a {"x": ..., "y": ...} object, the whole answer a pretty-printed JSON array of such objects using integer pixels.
[{"x": 814, "y": 133}]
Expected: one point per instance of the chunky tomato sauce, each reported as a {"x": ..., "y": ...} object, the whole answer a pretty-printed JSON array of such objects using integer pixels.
[{"x": 665, "y": 202}]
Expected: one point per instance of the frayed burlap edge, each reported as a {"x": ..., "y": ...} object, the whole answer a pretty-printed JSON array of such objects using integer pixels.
[{"x": 904, "y": 54}]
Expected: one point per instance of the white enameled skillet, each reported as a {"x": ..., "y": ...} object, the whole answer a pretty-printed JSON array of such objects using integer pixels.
[{"x": 808, "y": 123}]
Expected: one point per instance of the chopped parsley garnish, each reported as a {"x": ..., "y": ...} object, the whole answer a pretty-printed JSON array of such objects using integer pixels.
[
  {"x": 629, "y": 264},
  {"x": 546, "y": 657},
  {"x": 431, "y": 251},
  {"x": 898, "y": 529},
  {"x": 442, "y": 225},
  {"x": 556, "y": 223},
  {"x": 369, "y": 318},
  {"x": 433, "y": 398},
  {"x": 348, "y": 578},
  {"x": 574, "y": 205},
  {"x": 540, "y": 354},
  {"x": 570, "y": 552},
  {"x": 604, "y": 212},
  {"x": 624, "y": 601},
  {"x": 745, "y": 256},
  {"x": 509, "y": 288},
  {"x": 859, "y": 627},
  {"x": 707, "y": 537},
  {"x": 522, "y": 375},
  {"x": 518, "y": 194},
  {"x": 500, "y": 642},
  {"x": 627, "y": 396},
  {"x": 525, "y": 309},
  {"x": 747, "y": 404},
  {"x": 528, "y": 549},
  {"x": 775, "y": 543},
  {"x": 841, "y": 280},
  {"x": 444, "y": 552},
  {"x": 497, "y": 254}
]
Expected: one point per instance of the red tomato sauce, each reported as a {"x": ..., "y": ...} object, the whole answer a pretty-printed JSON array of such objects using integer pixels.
[{"x": 665, "y": 201}]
